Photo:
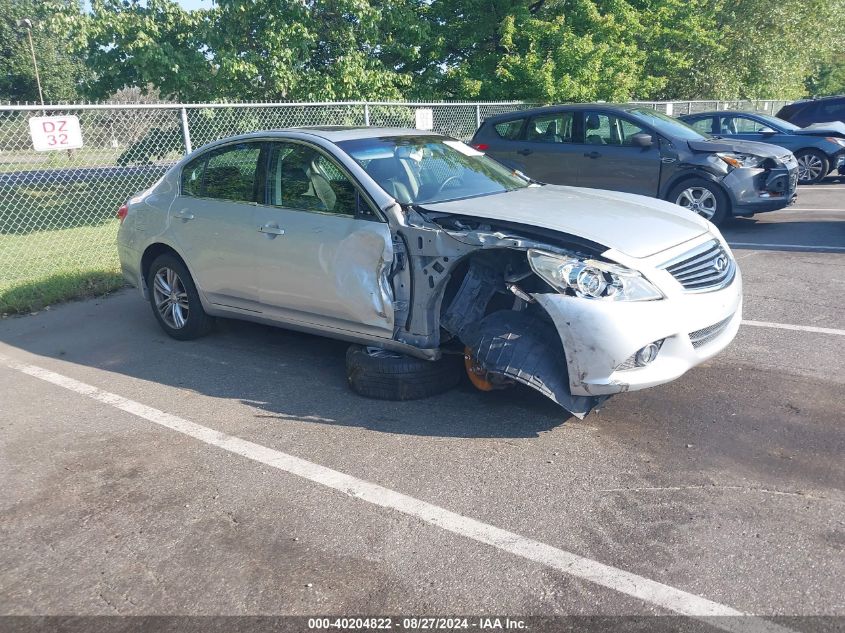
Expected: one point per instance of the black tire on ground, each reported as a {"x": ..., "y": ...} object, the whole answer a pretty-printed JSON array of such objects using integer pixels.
[
  {"x": 813, "y": 165},
  {"x": 680, "y": 193},
  {"x": 388, "y": 376},
  {"x": 194, "y": 321}
]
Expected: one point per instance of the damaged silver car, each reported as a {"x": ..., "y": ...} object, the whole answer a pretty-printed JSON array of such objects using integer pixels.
[{"x": 433, "y": 260}]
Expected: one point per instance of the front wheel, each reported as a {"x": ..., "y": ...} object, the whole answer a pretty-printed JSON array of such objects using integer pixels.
[
  {"x": 174, "y": 298},
  {"x": 812, "y": 166},
  {"x": 703, "y": 197}
]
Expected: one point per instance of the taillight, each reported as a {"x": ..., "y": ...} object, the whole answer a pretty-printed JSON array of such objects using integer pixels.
[
  {"x": 122, "y": 212},
  {"x": 481, "y": 146}
]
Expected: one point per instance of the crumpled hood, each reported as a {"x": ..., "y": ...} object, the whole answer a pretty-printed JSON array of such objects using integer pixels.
[
  {"x": 722, "y": 144},
  {"x": 638, "y": 226},
  {"x": 832, "y": 128}
]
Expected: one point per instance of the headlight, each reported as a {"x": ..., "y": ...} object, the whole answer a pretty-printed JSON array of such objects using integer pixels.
[
  {"x": 838, "y": 141},
  {"x": 740, "y": 160},
  {"x": 592, "y": 279}
]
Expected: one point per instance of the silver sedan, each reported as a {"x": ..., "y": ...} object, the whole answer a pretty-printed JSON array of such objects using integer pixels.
[{"x": 433, "y": 260}]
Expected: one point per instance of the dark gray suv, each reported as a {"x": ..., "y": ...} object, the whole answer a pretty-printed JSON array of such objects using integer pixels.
[{"x": 639, "y": 150}]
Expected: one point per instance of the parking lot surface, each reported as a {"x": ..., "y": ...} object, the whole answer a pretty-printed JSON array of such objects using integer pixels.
[{"x": 147, "y": 476}]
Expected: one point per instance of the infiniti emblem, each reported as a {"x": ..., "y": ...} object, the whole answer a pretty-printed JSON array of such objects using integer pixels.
[{"x": 721, "y": 263}]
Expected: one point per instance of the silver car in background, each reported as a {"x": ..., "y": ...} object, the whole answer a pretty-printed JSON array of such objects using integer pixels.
[{"x": 432, "y": 259}]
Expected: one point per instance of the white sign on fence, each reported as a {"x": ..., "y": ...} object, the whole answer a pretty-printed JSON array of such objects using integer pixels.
[
  {"x": 55, "y": 132},
  {"x": 424, "y": 118}
]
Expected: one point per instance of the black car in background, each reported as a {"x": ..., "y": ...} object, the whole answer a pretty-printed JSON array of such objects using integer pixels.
[
  {"x": 809, "y": 111},
  {"x": 638, "y": 150},
  {"x": 818, "y": 149}
]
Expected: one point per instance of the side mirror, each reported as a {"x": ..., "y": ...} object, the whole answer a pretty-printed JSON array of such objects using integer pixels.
[
  {"x": 767, "y": 130},
  {"x": 642, "y": 140}
]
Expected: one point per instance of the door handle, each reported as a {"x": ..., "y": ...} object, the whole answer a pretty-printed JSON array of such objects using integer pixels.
[
  {"x": 592, "y": 154},
  {"x": 184, "y": 215},
  {"x": 271, "y": 230},
  {"x": 524, "y": 152}
]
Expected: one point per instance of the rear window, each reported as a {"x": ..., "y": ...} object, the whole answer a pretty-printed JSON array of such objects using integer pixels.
[{"x": 509, "y": 129}]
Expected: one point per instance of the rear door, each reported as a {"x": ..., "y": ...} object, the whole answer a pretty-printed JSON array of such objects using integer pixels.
[
  {"x": 211, "y": 222},
  {"x": 608, "y": 159},
  {"x": 321, "y": 251},
  {"x": 547, "y": 151}
]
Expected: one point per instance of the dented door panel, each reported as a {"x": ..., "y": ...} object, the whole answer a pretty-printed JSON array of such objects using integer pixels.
[{"x": 325, "y": 269}]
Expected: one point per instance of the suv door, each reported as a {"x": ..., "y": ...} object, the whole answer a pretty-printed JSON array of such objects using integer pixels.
[
  {"x": 322, "y": 254},
  {"x": 609, "y": 159},
  {"x": 547, "y": 151},
  {"x": 211, "y": 222}
]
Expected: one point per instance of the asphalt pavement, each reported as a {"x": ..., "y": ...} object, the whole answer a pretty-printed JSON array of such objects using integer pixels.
[{"x": 143, "y": 476}]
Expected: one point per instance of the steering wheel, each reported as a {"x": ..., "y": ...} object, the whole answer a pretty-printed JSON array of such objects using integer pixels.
[{"x": 443, "y": 185}]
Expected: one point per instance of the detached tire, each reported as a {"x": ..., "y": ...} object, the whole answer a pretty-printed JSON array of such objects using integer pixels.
[{"x": 383, "y": 375}]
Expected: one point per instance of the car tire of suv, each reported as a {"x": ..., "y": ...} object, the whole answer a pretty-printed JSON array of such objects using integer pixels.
[
  {"x": 384, "y": 375},
  {"x": 174, "y": 299},
  {"x": 710, "y": 191},
  {"x": 811, "y": 160}
]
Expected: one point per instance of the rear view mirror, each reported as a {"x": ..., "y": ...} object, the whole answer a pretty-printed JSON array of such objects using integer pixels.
[{"x": 642, "y": 140}]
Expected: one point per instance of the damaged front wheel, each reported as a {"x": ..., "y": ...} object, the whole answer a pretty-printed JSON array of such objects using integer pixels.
[{"x": 384, "y": 375}]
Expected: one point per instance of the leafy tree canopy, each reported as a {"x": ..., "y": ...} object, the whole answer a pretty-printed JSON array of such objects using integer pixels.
[{"x": 62, "y": 73}]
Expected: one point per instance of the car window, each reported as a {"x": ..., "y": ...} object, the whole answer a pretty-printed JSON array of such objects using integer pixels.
[
  {"x": 428, "y": 168},
  {"x": 230, "y": 173},
  {"x": 705, "y": 125},
  {"x": 550, "y": 128},
  {"x": 606, "y": 129},
  {"x": 834, "y": 110},
  {"x": 192, "y": 177},
  {"x": 303, "y": 178},
  {"x": 509, "y": 129},
  {"x": 742, "y": 125}
]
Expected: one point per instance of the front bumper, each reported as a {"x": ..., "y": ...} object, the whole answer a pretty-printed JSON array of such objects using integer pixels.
[
  {"x": 756, "y": 190},
  {"x": 599, "y": 337}
]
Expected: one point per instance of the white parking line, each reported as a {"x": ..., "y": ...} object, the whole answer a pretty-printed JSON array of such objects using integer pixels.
[
  {"x": 619, "y": 580},
  {"x": 799, "y": 328},
  {"x": 801, "y": 247}
]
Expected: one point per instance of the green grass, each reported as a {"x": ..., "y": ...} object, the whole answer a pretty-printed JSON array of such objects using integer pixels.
[{"x": 47, "y": 267}]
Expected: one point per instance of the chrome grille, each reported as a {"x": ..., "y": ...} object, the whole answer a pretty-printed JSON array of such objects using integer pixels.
[
  {"x": 706, "y": 267},
  {"x": 711, "y": 332}
]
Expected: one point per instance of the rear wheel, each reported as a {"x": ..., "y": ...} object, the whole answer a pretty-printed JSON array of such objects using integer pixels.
[
  {"x": 703, "y": 197},
  {"x": 813, "y": 165},
  {"x": 174, "y": 299},
  {"x": 377, "y": 373}
]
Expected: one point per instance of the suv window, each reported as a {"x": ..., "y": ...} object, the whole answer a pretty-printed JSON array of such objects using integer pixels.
[
  {"x": 509, "y": 129},
  {"x": 303, "y": 178},
  {"x": 835, "y": 109},
  {"x": 230, "y": 173},
  {"x": 551, "y": 128},
  {"x": 606, "y": 129}
]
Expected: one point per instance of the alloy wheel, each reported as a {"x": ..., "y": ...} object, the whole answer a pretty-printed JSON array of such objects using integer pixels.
[
  {"x": 171, "y": 299},
  {"x": 809, "y": 167},
  {"x": 698, "y": 199}
]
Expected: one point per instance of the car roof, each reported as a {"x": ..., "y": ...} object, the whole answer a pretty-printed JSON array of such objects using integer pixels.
[
  {"x": 335, "y": 133},
  {"x": 721, "y": 113},
  {"x": 518, "y": 114},
  {"x": 803, "y": 101}
]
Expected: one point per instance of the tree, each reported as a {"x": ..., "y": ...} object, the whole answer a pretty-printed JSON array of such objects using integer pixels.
[
  {"x": 307, "y": 49},
  {"x": 62, "y": 73},
  {"x": 829, "y": 79},
  {"x": 141, "y": 43}
]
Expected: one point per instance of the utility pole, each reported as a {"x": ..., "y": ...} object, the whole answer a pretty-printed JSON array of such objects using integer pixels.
[{"x": 27, "y": 24}]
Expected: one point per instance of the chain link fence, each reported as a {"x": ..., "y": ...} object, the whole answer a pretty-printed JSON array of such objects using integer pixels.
[{"x": 58, "y": 208}]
